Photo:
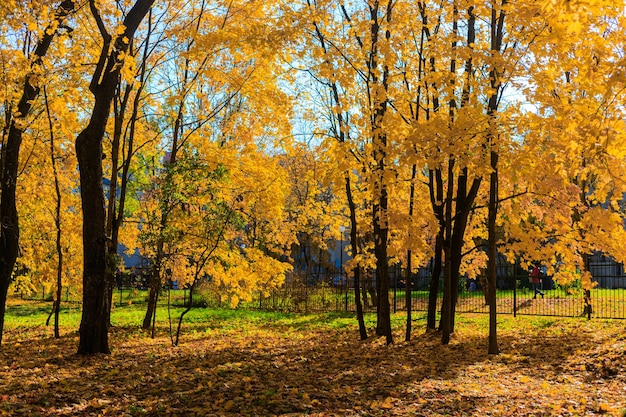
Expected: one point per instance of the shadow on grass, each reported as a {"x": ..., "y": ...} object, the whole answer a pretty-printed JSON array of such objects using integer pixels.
[{"x": 26, "y": 310}]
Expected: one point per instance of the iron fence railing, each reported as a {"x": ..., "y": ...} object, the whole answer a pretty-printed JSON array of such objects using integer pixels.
[{"x": 515, "y": 295}]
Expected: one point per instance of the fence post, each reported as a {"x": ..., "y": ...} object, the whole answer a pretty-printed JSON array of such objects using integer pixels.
[
  {"x": 515, "y": 293},
  {"x": 514, "y": 296},
  {"x": 306, "y": 293},
  {"x": 395, "y": 286},
  {"x": 588, "y": 303}
]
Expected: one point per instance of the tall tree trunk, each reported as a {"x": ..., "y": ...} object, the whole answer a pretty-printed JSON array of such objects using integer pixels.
[
  {"x": 9, "y": 222},
  {"x": 342, "y": 136},
  {"x": 492, "y": 254},
  {"x": 408, "y": 279},
  {"x": 120, "y": 102},
  {"x": 356, "y": 271},
  {"x": 464, "y": 198},
  {"x": 57, "y": 223},
  {"x": 116, "y": 214},
  {"x": 433, "y": 290},
  {"x": 438, "y": 205},
  {"x": 94, "y": 324},
  {"x": 497, "y": 32},
  {"x": 446, "y": 307},
  {"x": 378, "y": 91}
]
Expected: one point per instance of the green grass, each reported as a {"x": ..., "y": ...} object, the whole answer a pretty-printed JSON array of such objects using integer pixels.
[
  {"x": 129, "y": 310},
  {"x": 28, "y": 314}
]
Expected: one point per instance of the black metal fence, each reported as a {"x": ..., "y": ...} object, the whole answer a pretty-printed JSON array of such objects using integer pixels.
[{"x": 516, "y": 295}]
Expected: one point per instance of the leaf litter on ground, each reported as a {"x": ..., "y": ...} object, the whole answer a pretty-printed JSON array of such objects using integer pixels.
[{"x": 567, "y": 367}]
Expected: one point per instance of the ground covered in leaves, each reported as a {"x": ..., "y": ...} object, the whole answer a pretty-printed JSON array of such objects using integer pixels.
[{"x": 315, "y": 365}]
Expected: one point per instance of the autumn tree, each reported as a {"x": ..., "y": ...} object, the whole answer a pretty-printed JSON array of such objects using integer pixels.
[
  {"x": 339, "y": 129},
  {"x": 571, "y": 156},
  {"x": 217, "y": 230},
  {"x": 316, "y": 208},
  {"x": 220, "y": 60},
  {"x": 312, "y": 206},
  {"x": 495, "y": 80},
  {"x": 187, "y": 80},
  {"x": 15, "y": 121},
  {"x": 129, "y": 136},
  {"x": 95, "y": 314},
  {"x": 445, "y": 85},
  {"x": 361, "y": 68}
]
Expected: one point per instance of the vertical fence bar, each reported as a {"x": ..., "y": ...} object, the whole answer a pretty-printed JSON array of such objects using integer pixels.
[
  {"x": 515, "y": 292},
  {"x": 395, "y": 286},
  {"x": 608, "y": 299},
  {"x": 306, "y": 293}
]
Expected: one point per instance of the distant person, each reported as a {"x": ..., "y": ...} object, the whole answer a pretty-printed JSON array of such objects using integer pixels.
[
  {"x": 118, "y": 278},
  {"x": 535, "y": 278}
]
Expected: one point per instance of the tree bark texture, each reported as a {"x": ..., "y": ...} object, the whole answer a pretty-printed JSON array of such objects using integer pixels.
[
  {"x": 497, "y": 33},
  {"x": 94, "y": 324},
  {"x": 437, "y": 203},
  {"x": 357, "y": 269},
  {"x": 492, "y": 254}
]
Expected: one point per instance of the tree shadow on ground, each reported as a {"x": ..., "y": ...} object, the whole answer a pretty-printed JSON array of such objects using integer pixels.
[{"x": 264, "y": 372}]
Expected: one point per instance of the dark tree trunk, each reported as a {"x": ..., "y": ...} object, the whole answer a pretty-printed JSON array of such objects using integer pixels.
[
  {"x": 357, "y": 269},
  {"x": 57, "y": 222},
  {"x": 153, "y": 289},
  {"x": 120, "y": 102},
  {"x": 492, "y": 253},
  {"x": 383, "y": 326},
  {"x": 381, "y": 194},
  {"x": 433, "y": 291},
  {"x": 408, "y": 279},
  {"x": 437, "y": 203},
  {"x": 464, "y": 199},
  {"x": 343, "y": 135},
  {"x": 9, "y": 222},
  {"x": 94, "y": 324},
  {"x": 446, "y": 307},
  {"x": 497, "y": 32},
  {"x": 182, "y": 315}
]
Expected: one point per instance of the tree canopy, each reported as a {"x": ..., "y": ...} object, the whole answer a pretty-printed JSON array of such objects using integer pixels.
[{"x": 239, "y": 139}]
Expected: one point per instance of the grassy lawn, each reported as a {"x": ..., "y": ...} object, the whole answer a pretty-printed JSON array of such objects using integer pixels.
[{"x": 240, "y": 362}]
